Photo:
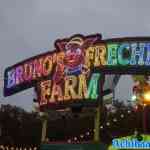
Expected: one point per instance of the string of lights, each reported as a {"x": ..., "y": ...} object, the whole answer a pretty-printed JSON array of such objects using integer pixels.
[{"x": 89, "y": 132}]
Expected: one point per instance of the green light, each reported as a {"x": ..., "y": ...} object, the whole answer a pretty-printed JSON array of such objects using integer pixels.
[
  {"x": 112, "y": 54},
  {"x": 93, "y": 86},
  {"x": 133, "y": 98},
  {"x": 121, "y": 59}
]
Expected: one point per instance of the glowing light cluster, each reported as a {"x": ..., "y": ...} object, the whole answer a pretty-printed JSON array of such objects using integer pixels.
[
  {"x": 74, "y": 87},
  {"x": 147, "y": 96},
  {"x": 32, "y": 70},
  {"x": 72, "y": 71},
  {"x": 134, "y": 98},
  {"x": 126, "y": 54}
]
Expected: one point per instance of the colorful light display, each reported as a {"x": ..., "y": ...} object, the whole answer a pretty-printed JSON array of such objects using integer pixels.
[
  {"x": 75, "y": 88},
  {"x": 73, "y": 69}
]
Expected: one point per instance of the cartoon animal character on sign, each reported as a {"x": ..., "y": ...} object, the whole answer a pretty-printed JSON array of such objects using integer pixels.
[{"x": 74, "y": 54}]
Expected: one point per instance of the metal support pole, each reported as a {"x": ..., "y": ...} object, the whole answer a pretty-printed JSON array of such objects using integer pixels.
[
  {"x": 97, "y": 125},
  {"x": 98, "y": 110},
  {"x": 144, "y": 119},
  {"x": 44, "y": 129}
]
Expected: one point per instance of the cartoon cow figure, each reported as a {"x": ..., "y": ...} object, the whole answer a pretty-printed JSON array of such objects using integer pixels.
[{"x": 73, "y": 62}]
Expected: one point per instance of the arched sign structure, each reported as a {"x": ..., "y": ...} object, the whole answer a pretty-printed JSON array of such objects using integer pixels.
[{"x": 72, "y": 73}]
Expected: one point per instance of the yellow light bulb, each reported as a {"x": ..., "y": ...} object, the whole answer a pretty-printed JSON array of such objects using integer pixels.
[{"x": 147, "y": 96}]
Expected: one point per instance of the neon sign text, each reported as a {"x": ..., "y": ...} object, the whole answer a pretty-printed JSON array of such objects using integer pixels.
[
  {"x": 74, "y": 87},
  {"x": 63, "y": 74}
]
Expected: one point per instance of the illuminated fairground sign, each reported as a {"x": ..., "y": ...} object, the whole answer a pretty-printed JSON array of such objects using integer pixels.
[{"x": 72, "y": 72}]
